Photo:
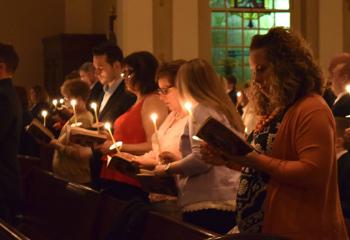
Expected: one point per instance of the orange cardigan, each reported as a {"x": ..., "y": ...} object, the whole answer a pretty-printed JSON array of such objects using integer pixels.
[{"x": 302, "y": 195}]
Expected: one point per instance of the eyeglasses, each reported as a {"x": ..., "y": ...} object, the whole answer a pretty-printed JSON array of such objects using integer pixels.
[
  {"x": 127, "y": 73},
  {"x": 164, "y": 91}
]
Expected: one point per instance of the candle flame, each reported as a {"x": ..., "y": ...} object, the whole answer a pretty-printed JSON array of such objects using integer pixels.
[
  {"x": 61, "y": 101},
  {"x": 107, "y": 126},
  {"x": 239, "y": 93},
  {"x": 93, "y": 105},
  {"x": 44, "y": 113},
  {"x": 154, "y": 117},
  {"x": 347, "y": 88},
  {"x": 73, "y": 102},
  {"x": 188, "y": 106},
  {"x": 54, "y": 102}
]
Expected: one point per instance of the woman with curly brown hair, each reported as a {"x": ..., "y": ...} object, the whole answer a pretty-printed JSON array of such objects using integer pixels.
[{"x": 290, "y": 187}]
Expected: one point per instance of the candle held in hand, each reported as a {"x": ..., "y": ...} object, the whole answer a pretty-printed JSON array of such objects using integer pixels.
[
  {"x": 44, "y": 114},
  {"x": 93, "y": 105},
  {"x": 73, "y": 102}
]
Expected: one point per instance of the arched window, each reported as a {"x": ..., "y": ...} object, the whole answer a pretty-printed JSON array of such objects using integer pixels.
[{"x": 234, "y": 22}]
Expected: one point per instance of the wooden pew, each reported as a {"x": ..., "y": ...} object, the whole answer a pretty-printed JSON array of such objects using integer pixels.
[
  {"x": 160, "y": 227},
  {"x": 8, "y": 232},
  {"x": 56, "y": 209},
  {"x": 249, "y": 236},
  {"x": 26, "y": 163},
  {"x": 109, "y": 211}
]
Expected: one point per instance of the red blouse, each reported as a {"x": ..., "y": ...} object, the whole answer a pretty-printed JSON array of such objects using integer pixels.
[{"x": 128, "y": 128}]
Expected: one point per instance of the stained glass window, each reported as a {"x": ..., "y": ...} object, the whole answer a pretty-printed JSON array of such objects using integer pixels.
[{"x": 235, "y": 22}]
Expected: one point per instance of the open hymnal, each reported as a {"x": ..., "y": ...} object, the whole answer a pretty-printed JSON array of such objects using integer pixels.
[
  {"x": 227, "y": 140},
  {"x": 157, "y": 184},
  {"x": 149, "y": 181},
  {"x": 86, "y": 137},
  {"x": 124, "y": 165},
  {"x": 39, "y": 131}
]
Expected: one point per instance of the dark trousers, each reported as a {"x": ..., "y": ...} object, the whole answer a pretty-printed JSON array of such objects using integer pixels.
[{"x": 211, "y": 219}]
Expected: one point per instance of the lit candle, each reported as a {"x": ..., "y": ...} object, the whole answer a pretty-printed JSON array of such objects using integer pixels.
[
  {"x": 347, "y": 88},
  {"x": 93, "y": 105},
  {"x": 61, "y": 101},
  {"x": 239, "y": 93},
  {"x": 44, "y": 114},
  {"x": 154, "y": 118},
  {"x": 108, "y": 128},
  {"x": 188, "y": 107},
  {"x": 54, "y": 102},
  {"x": 73, "y": 102}
]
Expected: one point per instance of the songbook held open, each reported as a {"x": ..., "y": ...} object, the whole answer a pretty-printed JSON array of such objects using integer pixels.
[
  {"x": 86, "y": 137},
  {"x": 39, "y": 131},
  {"x": 218, "y": 136}
]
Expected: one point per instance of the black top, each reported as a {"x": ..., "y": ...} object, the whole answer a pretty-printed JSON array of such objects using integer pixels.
[
  {"x": 344, "y": 182},
  {"x": 342, "y": 107},
  {"x": 10, "y": 125}
]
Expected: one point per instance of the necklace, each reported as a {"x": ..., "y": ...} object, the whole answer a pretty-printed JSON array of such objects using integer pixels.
[{"x": 265, "y": 120}]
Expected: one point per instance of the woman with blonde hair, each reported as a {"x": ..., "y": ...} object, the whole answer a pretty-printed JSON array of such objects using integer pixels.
[{"x": 206, "y": 193}]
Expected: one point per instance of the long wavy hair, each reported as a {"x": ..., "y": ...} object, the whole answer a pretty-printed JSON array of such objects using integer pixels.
[
  {"x": 197, "y": 79},
  {"x": 295, "y": 72}
]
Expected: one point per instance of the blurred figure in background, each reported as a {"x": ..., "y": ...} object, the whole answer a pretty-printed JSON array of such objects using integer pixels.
[
  {"x": 28, "y": 145},
  {"x": 231, "y": 82},
  {"x": 87, "y": 74},
  {"x": 245, "y": 106},
  {"x": 343, "y": 159},
  {"x": 339, "y": 77},
  {"x": 38, "y": 101}
]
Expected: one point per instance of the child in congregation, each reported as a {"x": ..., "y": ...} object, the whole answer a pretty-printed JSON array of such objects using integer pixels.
[{"x": 71, "y": 160}]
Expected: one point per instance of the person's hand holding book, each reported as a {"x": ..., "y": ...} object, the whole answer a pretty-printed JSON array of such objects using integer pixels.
[
  {"x": 167, "y": 157},
  {"x": 104, "y": 148},
  {"x": 217, "y": 157}
]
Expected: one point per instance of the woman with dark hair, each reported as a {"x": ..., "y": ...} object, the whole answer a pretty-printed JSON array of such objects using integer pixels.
[
  {"x": 135, "y": 128},
  {"x": 290, "y": 187}
]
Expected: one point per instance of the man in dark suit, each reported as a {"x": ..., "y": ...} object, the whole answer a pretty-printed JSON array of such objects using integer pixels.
[
  {"x": 87, "y": 74},
  {"x": 339, "y": 76},
  {"x": 10, "y": 125},
  {"x": 114, "y": 100}
]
